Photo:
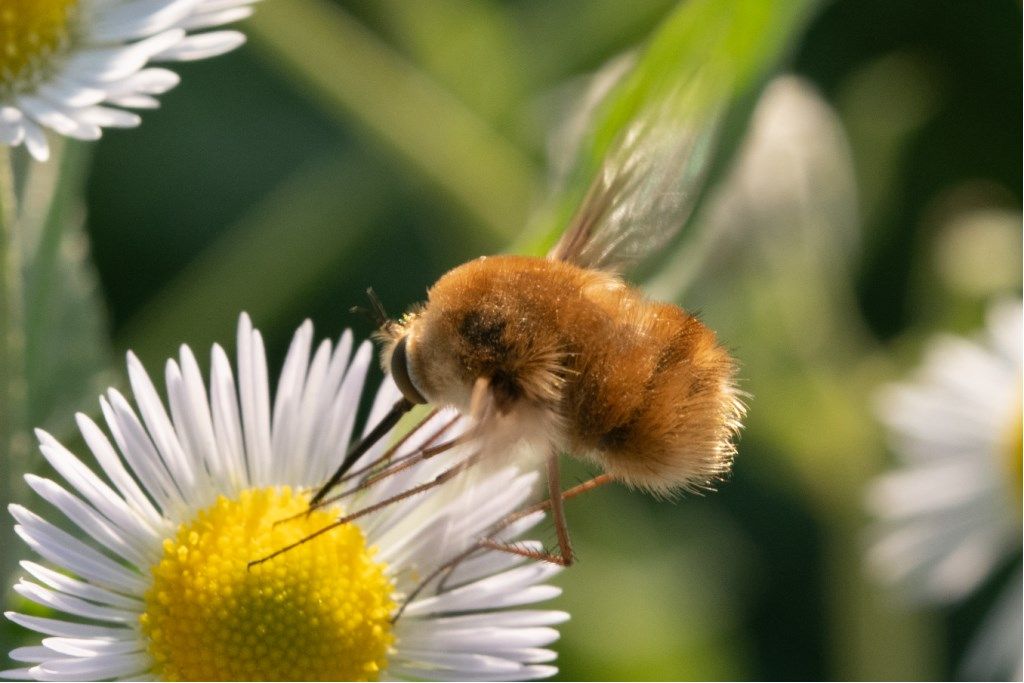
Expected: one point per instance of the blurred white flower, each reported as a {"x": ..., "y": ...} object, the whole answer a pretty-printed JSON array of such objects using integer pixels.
[
  {"x": 951, "y": 514},
  {"x": 63, "y": 61},
  {"x": 154, "y": 582}
]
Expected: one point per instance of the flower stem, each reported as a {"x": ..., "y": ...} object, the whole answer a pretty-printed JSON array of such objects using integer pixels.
[{"x": 13, "y": 436}]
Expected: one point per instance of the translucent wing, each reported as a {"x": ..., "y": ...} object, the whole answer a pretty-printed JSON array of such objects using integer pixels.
[{"x": 642, "y": 194}]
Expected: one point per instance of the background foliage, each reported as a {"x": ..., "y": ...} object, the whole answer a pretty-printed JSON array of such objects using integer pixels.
[{"x": 381, "y": 143}]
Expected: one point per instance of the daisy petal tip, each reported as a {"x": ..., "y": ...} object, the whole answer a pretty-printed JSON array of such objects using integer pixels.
[
  {"x": 133, "y": 361},
  {"x": 35, "y": 481},
  {"x": 40, "y": 153},
  {"x": 43, "y": 436},
  {"x": 558, "y": 617}
]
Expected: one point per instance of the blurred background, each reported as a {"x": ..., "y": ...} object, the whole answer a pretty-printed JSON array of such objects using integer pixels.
[{"x": 865, "y": 194}]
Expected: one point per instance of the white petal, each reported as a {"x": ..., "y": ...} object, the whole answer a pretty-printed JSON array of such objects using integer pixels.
[
  {"x": 226, "y": 421},
  {"x": 515, "y": 587},
  {"x": 194, "y": 417},
  {"x": 102, "y": 65},
  {"x": 484, "y": 640},
  {"x": 254, "y": 400},
  {"x": 101, "y": 666},
  {"x": 464, "y": 667},
  {"x": 70, "y": 94},
  {"x": 290, "y": 386},
  {"x": 72, "y": 605},
  {"x": 100, "y": 495},
  {"x": 33, "y": 654},
  {"x": 134, "y": 101},
  {"x": 69, "y": 629},
  {"x": 35, "y": 140},
  {"x": 312, "y": 413},
  {"x": 140, "y": 18},
  {"x": 55, "y": 627},
  {"x": 64, "y": 550},
  {"x": 321, "y": 451},
  {"x": 149, "y": 81},
  {"x": 490, "y": 563},
  {"x": 211, "y": 19},
  {"x": 341, "y": 419},
  {"x": 218, "y": 5},
  {"x": 12, "y": 132},
  {"x": 140, "y": 453},
  {"x": 108, "y": 117},
  {"x": 202, "y": 46},
  {"x": 97, "y": 493},
  {"x": 47, "y": 114},
  {"x": 99, "y": 528},
  {"x": 181, "y": 466},
  {"x": 505, "y": 618},
  {"x": 81, "y": 589},
  {"x": 91, "y": 647}
]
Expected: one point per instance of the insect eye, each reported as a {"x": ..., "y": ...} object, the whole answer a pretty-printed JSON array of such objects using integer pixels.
[{"x": 400, "y": 373}]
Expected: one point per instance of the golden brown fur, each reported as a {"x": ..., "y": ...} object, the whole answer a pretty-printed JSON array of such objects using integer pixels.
[{"x": 641, "y": 387}]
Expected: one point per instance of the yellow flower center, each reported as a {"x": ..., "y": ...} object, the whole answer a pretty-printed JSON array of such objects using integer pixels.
[
  {"x": 317, "y": 612},
  {"x": 32, "y": 32}
]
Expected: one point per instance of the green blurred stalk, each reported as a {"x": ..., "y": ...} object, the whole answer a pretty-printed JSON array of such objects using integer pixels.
[
  {"x": 352, "y": 75},
  {"x": 13, "y": 439}
]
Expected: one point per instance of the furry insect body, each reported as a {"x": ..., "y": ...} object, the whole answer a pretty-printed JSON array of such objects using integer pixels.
[{"x": 579, "y": 359}]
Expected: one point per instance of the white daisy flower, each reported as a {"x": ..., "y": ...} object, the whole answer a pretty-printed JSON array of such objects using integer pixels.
[
  {"x": 63, "y": 61},
  {"x": 154, "y": 580},
  {"x": 951, "y": 515}
]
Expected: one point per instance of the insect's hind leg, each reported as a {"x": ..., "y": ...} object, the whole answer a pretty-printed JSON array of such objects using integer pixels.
[
  {"x": 565, "y": 556},
  {"x": 446, "y": 570}
]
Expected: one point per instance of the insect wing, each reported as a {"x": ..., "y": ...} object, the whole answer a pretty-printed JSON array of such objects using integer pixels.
[{"x": 641, "y": 196}]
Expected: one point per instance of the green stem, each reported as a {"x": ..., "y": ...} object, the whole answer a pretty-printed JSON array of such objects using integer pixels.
[{"x": 13, "y": 436}]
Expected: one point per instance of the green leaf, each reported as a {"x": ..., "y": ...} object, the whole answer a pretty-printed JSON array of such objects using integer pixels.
[{"x": 705, "y": 61}]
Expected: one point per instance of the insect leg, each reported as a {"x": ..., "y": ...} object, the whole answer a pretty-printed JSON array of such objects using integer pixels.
[
  {"x": 390, "y": 452},
  {"x": 372, "y": 478},
  {"x": 557, "y": 509},
  {"x": 401, "y": 464},
  {"x": 445, "y": 570},
  {"x": 554, "y": 503},
  {"x": 436, "y": 481}
]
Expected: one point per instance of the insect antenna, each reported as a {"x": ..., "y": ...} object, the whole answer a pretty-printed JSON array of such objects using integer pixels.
[{"x": 376, "y": 312}]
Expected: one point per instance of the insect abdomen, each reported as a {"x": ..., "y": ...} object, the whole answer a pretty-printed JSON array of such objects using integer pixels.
[{"x": 655, "y": 404}]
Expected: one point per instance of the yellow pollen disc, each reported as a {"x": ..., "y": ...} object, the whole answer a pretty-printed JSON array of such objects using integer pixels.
[
  {"x": 32, "y": 33},
  {"x": 317, "y": 612}
]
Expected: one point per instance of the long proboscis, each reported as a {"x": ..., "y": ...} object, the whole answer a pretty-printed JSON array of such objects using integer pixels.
[{"x": 381, "y": 429}]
